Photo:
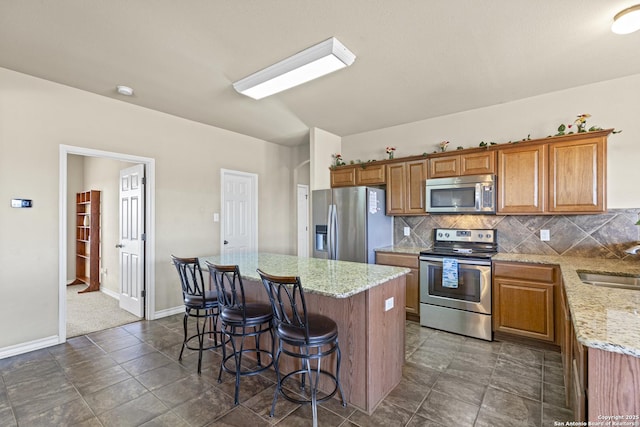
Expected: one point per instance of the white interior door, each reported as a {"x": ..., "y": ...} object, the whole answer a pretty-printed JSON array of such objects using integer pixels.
[
  {"x": 303, "y": 220},
  {"x": 131, "y": 244},
  {"x": 239, "y": 212}
]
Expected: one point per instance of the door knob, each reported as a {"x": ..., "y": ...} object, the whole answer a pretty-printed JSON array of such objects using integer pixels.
[
  {"x": 119, "y": 246},
  {"x": 226, "y": 242}
]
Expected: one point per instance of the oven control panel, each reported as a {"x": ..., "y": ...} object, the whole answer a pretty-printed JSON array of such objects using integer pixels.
[{"x": 458, "y": 235}]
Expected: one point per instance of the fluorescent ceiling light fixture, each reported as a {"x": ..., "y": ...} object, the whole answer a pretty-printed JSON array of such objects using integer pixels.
[
  {"x": 124, "y": 90},
  {"x": 316, "y": 61},
  {"x": 627, "y": 21}
]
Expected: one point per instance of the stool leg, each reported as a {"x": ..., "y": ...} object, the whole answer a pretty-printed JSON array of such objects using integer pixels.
[
  {"x": 313, "y": 385},
  {"x": 278, "y": 379},
  {"x": 238, "y": 358},
  {"x": 200, "y": 340},
  {"x": 344, "y": 402},
  {"x": 223, "y": 331},
  {"x": 184, "y": 325}
]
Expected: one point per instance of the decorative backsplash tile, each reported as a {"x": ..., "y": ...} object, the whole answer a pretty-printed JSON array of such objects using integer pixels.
[{"x": 592, "y": 236}]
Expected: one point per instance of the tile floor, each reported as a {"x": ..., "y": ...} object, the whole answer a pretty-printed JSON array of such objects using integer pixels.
[{"x": 130, "y": 376}]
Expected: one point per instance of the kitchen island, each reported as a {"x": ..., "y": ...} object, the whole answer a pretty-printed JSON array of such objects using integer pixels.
[{"x": 357, "y": 297}]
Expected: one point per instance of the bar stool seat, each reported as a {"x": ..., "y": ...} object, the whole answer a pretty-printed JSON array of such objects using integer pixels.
[
  {"x": 255, "y": 314},
  {"x": 321, "y": 329}
]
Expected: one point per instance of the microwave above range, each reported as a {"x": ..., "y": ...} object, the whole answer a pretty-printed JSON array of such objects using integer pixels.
[{"x": 461, "y": 194}]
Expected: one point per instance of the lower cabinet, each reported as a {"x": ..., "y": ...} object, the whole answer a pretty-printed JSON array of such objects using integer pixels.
[
  {"x": 412, "y": 279},
  {"x": 524, "y": 298}
]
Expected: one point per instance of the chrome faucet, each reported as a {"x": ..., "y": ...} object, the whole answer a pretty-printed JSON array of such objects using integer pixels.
[{"x": 633, "y": 250}]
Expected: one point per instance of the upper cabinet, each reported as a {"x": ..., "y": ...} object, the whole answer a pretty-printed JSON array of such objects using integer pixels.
[
  {"x": 564, "y": 175},
  {"x": 349, "y": 176},
  {"x": 479, "y": 163},
  {"x": 559, "y": 175},
  {"x": 577, "y": 176},
  {"x": 521, "y": 179},
  {"x": 405, "y": 187}
]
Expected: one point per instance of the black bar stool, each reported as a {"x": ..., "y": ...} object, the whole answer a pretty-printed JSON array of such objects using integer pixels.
[
  {"x": 239, "y": 320},
  {"x": 306, "y": 332},
  {"x": 199, "y": 303}
]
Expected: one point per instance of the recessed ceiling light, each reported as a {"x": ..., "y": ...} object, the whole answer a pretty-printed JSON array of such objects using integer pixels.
[
  {"x": 627, "y": 21},
  {"x": 124, "y": 90}
]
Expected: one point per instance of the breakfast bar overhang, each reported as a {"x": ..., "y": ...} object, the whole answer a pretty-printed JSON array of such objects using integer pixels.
[{"x": 367, "y": 302}]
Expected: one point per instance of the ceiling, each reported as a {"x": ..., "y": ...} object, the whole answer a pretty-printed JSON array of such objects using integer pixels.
[{"x": 416, "y": 59}]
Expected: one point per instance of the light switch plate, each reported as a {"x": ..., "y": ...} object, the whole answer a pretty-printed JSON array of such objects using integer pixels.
[
  {"x": 407, "y": 231},
  {"x": 545, "y": 236},
  {"x": 388, "y": 304},
  {"x": 216, "y": 217}
]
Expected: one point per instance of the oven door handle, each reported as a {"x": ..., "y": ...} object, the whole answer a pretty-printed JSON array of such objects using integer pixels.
[{"x": 461, "y": 261}]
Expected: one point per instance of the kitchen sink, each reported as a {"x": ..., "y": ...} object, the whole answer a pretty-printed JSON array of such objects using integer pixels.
[{"x": 622, "y": 281}]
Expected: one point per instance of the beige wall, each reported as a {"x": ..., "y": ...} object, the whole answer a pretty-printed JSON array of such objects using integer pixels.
[
  {"x": 36, "y": 116},
  {"x": 323, "y": 145},
  {"x": 613, "y": 103}
]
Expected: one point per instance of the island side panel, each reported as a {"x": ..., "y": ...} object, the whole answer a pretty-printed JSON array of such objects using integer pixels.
[
  {"x": 386, "y": 339},
  {"x": 614, "y": 386}
]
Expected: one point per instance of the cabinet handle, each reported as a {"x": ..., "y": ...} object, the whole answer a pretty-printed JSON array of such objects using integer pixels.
[{"x": 119, "y": 246}]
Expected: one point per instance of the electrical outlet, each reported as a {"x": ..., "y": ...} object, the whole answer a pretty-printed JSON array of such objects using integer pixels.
[
  {"x": 407, "y": 231},
  {"x": 388, "y": 304},
  {"x": 216, "y": 217},
  {"x": 545, "y": 236}
]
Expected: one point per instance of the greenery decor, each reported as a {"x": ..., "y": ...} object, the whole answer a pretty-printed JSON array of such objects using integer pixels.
[{"x": 580, "y": 126}]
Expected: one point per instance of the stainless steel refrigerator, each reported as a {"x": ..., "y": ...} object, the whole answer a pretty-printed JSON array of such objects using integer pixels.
[{"x": 349, "y": 223}]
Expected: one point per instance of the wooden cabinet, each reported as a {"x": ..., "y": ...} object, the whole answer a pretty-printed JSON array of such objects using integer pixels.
[
  {"x": 343, "y": 177},
  {"x": 412, "y": 279},
  {"x": 88, "y": 240},
  {"x": 479, "y": 163},
  {"x": 352, "y": 175},
  {"x": 405, "y": 187},
  {"x": 524, "y": 300},
  {"x": 370, "y": 175},
  {"x": 521, "y": 179},
  {"x": 577, "y": 176},
  {"x": 564, "y": 175}
]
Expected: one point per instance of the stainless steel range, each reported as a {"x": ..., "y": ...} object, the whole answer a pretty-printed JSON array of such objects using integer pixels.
[{"x": 455, "y": 282}]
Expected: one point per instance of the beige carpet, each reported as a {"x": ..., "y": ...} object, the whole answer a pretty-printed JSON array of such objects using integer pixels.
[{"x": 93, "y": 311}]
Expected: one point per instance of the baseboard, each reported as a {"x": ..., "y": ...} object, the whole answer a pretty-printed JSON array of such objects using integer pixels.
[
  {"x": 109, "y": 292},
  {"x": 169, "y": 312},
  {"x": 26, "y": 347}
]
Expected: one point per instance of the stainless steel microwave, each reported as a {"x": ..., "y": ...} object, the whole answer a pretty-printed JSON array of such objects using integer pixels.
[{"x": 461, "y": 194}]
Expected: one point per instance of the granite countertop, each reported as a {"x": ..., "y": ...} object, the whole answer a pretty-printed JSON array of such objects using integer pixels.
[
  {"x": 603, "y": 318},
  {"x": 409, "y": 250},
  {"x": 336, "y": 279}
]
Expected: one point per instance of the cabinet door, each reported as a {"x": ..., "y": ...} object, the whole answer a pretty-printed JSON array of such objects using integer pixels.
[
  {"x": 523, "y": 308},
  {"x": 416, "y": 174},
  {"x": 343, "y": 177},
  {"x": 370, "y": 175},
  {"x": 478, "y": 163},
  {"x": 442, "y": 167},
  {"x": 577, "y": 176},
  {"x": 521, "y": 179},
  {"x": 396, "y": 188}
]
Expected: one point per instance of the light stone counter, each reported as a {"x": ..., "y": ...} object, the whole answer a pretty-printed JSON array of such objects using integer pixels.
[
  {"x": 603, "y": 318},
  {"x": 409, "y": 250},
  {"x": 336, "y": 279}
]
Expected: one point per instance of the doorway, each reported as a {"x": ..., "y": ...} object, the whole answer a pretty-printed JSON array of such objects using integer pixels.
[
  {"x": 239, "y": 226},
  {"x": 95, "y": 155}
]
